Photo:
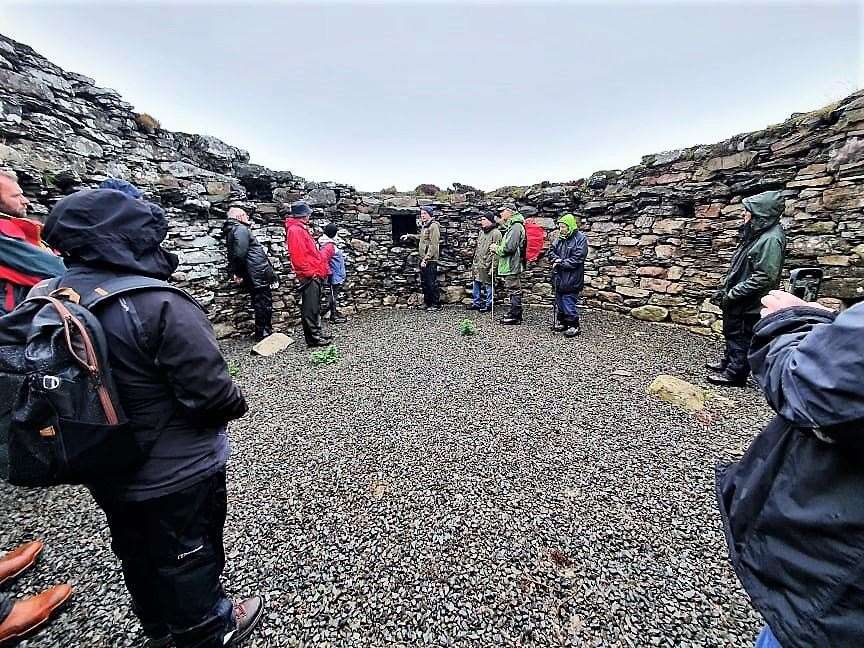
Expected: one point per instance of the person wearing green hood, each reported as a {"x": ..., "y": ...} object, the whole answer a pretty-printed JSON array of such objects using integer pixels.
[
  {"x": 753, "y": 272},
  {"x": 568, "y": 274},
  {"x": 511, "y": 261}
]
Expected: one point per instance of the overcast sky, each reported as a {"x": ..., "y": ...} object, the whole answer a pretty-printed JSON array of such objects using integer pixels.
[{"x": 487, "y": 94}]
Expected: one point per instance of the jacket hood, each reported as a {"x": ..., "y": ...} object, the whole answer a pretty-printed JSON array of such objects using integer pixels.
[
  {"x": 570, "y": 221},
  {"x": 515, "y": 218},
  {"x": 766, "y": 207},
  {"x": 324, "y": 240},
  {"x": 295, "y": 222},
  {"x": 107, "y": 228}
]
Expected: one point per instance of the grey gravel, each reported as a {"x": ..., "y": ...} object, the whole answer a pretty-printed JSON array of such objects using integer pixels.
[{"x": 433, "y": 489}]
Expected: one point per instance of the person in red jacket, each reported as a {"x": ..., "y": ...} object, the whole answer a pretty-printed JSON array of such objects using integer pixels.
[{"x": 311, "y": 266}]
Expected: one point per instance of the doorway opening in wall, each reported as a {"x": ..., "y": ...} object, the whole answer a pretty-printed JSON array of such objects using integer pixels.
[{"x": 403, "y": 224}]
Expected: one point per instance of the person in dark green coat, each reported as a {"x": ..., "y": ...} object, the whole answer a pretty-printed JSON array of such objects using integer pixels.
[
  {"x": 753, "y": 272},
  {"x": 511, "y": 261}
]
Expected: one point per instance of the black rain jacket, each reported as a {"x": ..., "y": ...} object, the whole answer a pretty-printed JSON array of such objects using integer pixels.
[
  {"x": 171, "y": 378},
  {"x": 793, "y": 506},
  {"x": 570, "y": 254},
  {"x": 246, "y": 256}
]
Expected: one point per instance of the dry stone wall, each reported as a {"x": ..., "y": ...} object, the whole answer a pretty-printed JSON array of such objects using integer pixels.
[{"x": 661, "y": 233}]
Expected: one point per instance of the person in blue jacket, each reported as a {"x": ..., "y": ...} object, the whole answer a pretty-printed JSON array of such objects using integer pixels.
[
  {"x": 568, "y": 274},
  {"x": 337, "y": 272},
  {"x": 791, "y": 507}
]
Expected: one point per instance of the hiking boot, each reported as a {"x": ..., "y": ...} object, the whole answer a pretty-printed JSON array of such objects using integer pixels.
[
  {"x": 716, "y": 367},
  {"x": 19, "y": 559},
  {"x": 572, "y": 331},
  {"x": 434, "y": 309},
  {"x": 485, "y": 309},
  {"x": 725, "y": 379},
  {"x": 158, "y": 642},
  {"x": 476, "y": 307},
  {"x": 559, "y": 327},
  {"x": 317, "y": 342},
  {"x": 32, "y": 613},
  {"x": 339, "y": 319},
  {"x": 510, "y": 320},
  {"x": 247, "y": 614}
]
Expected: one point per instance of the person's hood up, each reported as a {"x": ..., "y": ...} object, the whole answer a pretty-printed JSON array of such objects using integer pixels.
[
  {"x": 766, "y": 207},
  {"x": 324, "y": 240},
  {"x": 106, "y": 228},
  {"x": 515, "y": 218},
  {"x": 570, "y": 221}
]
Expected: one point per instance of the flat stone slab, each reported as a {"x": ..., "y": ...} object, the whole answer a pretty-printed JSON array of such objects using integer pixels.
[{"x": 272, "y": 344}]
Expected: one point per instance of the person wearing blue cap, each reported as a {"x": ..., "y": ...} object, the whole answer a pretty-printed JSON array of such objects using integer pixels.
[
  {"x": 311, "y": 266},
  {"x": 121, "y": 185}
]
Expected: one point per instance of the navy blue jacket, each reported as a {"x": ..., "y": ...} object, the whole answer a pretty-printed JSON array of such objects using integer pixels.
[
  {"x": 171, "y": 378},
  {"x": 570, "y": 254},
  {"x": 793, "y": 506}
]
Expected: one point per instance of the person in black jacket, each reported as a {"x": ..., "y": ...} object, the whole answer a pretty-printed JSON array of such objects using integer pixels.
[
  {"x": 791, "y": 507},
  {"x": 166, "y": 517},
  {"x": 249, "y": 266},
  {"x": 568, "y": 256}
]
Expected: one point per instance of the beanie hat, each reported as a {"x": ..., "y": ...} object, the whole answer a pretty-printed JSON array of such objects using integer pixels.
[
  {"x": 428, "y": 209},
  {"x": 330, "y": 229},
  {"x": 300, "y": 208},
  {"x": 121, "y": 185}
]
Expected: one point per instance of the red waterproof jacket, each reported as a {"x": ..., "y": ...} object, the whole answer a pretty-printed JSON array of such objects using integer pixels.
[{"x": 307, "y": 259}]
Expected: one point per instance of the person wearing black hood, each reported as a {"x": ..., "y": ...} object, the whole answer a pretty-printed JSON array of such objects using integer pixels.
[
  {"x": 249, "y": 266},
  {"x": 166, "y": 517},
  {"x": 754, "y": 271}
]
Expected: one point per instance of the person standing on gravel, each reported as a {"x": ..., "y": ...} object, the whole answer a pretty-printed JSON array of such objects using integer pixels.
[
  {"x": 337, "y": 272},
  {"x": 754, "y": 270},
  {"x": 24, "y": 258},
  {"x": 311, "y": 266},
  {"x": 791, "y": 507},
  {"x": 249, "y": 266},
  {"x": 429, "y": 248},
  {"x": 167, "y": 515},
  {"x": 481, "y": 268},
  {"x": 568, "y": 256},
  {"x": 511, "y": 261}
]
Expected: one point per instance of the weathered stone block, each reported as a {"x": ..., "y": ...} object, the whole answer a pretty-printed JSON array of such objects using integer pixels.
[
  {"x": 678, "y": 392},
  {"x": 650, "y": 313},
  {"x": 843, "y": 198},
  {"x": 651, "y": 271},
  {"x": 272, "y": 345}
]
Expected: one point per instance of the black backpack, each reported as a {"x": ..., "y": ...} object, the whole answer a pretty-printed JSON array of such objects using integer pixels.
[{"x": 60, "y": 416}]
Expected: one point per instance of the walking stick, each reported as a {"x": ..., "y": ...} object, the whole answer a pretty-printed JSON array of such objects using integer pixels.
[
  {"x": 554, "y": 300},
  {"x": 492, "y": 276}
]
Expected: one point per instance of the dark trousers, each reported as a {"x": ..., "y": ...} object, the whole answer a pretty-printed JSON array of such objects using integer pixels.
[
  {"x": 513, "y": 286},
  {"x": 310, "y": 308},
  {"x": 429, "y": 283},
  {"x": 738, "y": 331},
  {"x": 331, "y": 296},
  {"x": 172, "y": 556},
  {"x": 568, "y": 308},
  {"x": 5, "y": 607},
  {"x": 262, "y": 306}
]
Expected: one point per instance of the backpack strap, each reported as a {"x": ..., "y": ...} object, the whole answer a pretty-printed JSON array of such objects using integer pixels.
[{"x": 118, "y": 286}]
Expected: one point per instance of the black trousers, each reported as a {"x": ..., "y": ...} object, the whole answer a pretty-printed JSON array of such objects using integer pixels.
[
  {"x": 262, "y": 306},
  {"x": 429, "y": 283},
  {"x": 331, "y": 297},
  {"x": 172, "y": 556},
  {"x": 738, "y": 331},
  {"x": 310, "y": 308}
]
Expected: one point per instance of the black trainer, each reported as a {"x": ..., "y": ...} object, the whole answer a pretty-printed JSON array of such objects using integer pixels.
[
  {"x": 558, "y": 327},
  {"x": 725, "y": 379}
]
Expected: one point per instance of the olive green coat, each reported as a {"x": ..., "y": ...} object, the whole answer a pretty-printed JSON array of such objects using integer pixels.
[
  {"x": 483, "y": 255},
  {"x": 430, "y": 241}
]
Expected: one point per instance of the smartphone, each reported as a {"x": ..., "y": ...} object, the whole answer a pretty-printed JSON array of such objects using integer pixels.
[{"x": 805, "y": 283}]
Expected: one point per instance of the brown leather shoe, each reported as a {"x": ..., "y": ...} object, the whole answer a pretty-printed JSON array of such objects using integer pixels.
[
  {"x": 29, "y": 614},
  {"x": 19, "y": 559}
]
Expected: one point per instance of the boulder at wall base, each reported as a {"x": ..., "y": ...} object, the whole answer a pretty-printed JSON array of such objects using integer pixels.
[
  {"x": 678, "y": 392},
  {"x": 272, "y": 345},
  {"x": 650, "y": 313}
]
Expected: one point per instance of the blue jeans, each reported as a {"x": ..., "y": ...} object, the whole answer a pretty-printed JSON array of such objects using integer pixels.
[
  {"x": 766, "y": 639},
  {"x": 477, "y": 292},
  {"x": 568, "y": 307}
]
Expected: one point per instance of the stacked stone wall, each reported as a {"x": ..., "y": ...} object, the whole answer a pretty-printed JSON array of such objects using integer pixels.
[{"x": 661, "y": 233}]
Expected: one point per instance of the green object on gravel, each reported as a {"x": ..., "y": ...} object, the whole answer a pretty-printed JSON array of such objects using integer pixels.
[
  {"x": 325, "y": 356},
  {"x": 467, "y": 327}
]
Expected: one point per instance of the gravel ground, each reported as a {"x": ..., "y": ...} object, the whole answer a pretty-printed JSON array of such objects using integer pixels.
[{"x": 428, "y": 489}]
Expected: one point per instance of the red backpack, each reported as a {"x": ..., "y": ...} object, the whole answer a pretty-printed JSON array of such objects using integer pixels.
[{"x": 536, "y": 239}]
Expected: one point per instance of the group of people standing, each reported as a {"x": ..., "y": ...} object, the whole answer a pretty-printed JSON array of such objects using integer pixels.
[{"x": 790, "y": 506}]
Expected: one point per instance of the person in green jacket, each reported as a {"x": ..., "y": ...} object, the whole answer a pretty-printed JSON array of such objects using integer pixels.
[
  {"x": 511, "y": 261},
  {"x": 753, "y": 272}
]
